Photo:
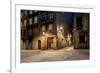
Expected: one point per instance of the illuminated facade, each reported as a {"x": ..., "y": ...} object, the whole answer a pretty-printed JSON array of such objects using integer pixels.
[
  {"x": 50, "y": 30},
  {"x": 43, "y": 30}
]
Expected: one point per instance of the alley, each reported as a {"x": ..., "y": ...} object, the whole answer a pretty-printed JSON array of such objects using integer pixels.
[{"x": 65, "y": 54}]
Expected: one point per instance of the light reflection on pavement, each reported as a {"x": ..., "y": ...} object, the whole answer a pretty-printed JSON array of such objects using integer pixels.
[{"x": 65, "y": 54}]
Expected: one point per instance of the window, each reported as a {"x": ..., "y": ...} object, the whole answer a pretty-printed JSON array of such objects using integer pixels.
[
  {"x": 35, "y": 19},
  {"x": 25, "y": 22},
  {"x": 51, "y": 15},
  {"x": 43, "y": 28},
  {"x": 50, "y": 26},
  {"x": 44, "y": 17},
  {"x": 82, "y": 38},
  {"x": 31, "y": 12},
  {"x": 22, "y": 14},
  {"x": 79, "y": 22},
  {"x": 30, "y": 21},
  {"x": 25, "y": 13},
  {"x": 39, "y": 18},
  {"x": 35, "y": 11}
]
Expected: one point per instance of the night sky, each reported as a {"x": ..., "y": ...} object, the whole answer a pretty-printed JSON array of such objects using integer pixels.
[{"x": 69, "y": 19}]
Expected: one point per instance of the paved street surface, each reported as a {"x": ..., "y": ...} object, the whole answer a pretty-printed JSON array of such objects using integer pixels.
[{"x": 65, "y": 54}]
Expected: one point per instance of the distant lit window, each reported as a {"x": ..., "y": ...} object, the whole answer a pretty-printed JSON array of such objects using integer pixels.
[
  {"x": 30, "y": 21},
  {"x": 31, "y": 11},
  {"x": 22, "y": 14},
  {"x": 25, "y": 22},
  {"x": 50, "y": 26},
  {"x": 35, "y": 11},
  {"x": 43, "y": 28},
  {"x": 35, "y": 19},
  {"x": 25, "y": 13},
  {"x": 57, "y": 28}
]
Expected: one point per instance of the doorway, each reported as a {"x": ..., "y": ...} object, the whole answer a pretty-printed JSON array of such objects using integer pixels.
[
  {"x": 49, "y": 42},
  {"x": 39, "y": 44}
]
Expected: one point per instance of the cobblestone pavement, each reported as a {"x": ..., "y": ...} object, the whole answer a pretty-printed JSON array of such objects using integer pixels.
[{"x": 65, "y": 54}]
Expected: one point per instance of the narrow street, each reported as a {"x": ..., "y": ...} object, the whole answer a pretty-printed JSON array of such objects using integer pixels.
[{"x": 65, "y": 54}]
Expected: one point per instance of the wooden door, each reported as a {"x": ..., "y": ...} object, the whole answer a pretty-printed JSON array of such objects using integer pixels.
[
  {"x": 49, "y": 42},
  {"x": 39, "y": 44}
]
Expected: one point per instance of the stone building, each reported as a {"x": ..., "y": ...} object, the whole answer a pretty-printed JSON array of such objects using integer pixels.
[
  {"x": 43, "y": 30},
  {"x": 50, "y": 30},
  {"x": 81, "y": 30}
]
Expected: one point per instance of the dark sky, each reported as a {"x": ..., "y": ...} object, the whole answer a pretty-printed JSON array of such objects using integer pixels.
[{"x": 69, "y": 19}]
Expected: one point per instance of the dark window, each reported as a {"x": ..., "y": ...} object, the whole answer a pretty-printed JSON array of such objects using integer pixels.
[
  {"x": 82, "y": 39},
  {"x": 79, "y": 22}
]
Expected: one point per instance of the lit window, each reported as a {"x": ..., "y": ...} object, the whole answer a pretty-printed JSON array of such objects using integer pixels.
[
  {"x": 35, "y": 11},
  {"x": 35, "y": 19},
  {"x": 57, "y": 28},
  {"x": 43, "y": 28},
  {"x": 22, "y": 14},
  {"x": 25, "y": 13},
  {"x": 50, "y": 26},
  {"x": 31, "y": 12},
  {"x": 25, "y": 22},
  {"x": 30, "y": 21}
]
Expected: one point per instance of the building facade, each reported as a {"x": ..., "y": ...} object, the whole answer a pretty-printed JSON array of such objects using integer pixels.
[
  {"x": 50, "y": 30},
  {"x": 43, "y": 30},
  {"x": 81, "y": 30}
]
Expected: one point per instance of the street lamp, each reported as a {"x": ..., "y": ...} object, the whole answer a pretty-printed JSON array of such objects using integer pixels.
[
  {"x": 43, "y": 33},
  {"x": 61, "y": 28}
]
